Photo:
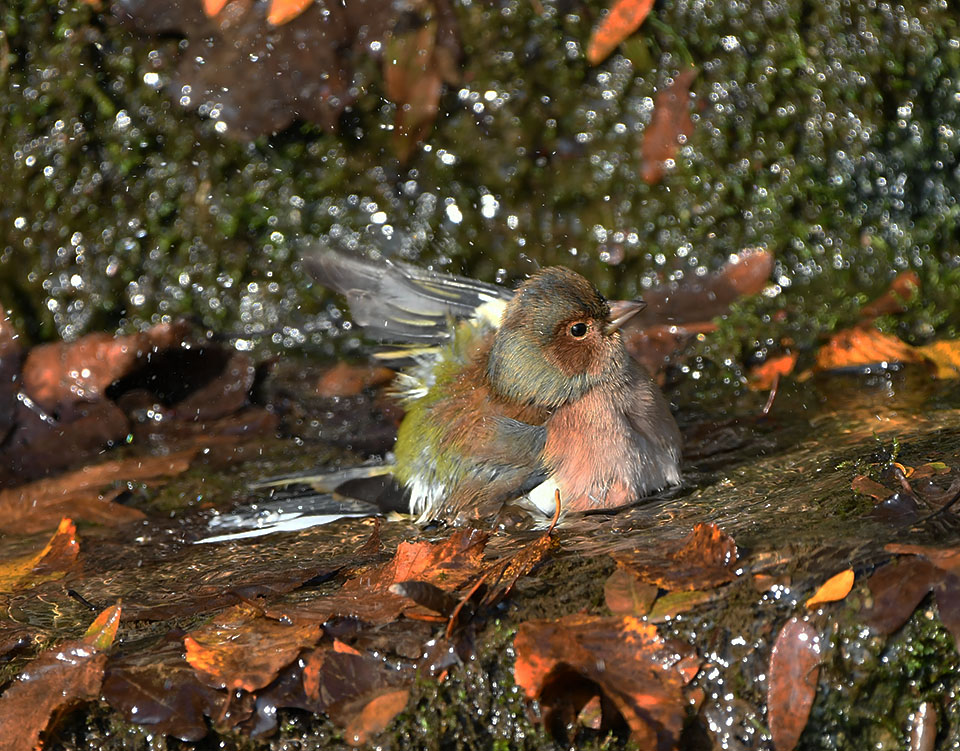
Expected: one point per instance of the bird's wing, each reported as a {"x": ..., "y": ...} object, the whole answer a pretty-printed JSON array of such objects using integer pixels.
[{"x": 398, "y": 303}]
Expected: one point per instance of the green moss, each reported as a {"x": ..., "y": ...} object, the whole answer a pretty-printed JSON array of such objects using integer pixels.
[
  {"x": 827, "y": 134},
  {"x": 869, "y": 686}
]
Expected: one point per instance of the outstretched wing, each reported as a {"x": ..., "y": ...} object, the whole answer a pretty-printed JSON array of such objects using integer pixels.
[{"x": 398, "y": 303}]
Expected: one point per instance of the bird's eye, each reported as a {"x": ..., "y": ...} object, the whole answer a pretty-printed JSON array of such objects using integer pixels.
[{"x": 578, "y": 330}]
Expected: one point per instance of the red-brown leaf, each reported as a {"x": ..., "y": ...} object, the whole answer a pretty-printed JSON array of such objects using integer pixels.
[
  {"x": 897, "y": 589},
  {"x": 669, "y": 125},
  {"x": 561, "y": 663},
  {"x": 242, "y": 649},
  {"x": 794, "y": 670}
]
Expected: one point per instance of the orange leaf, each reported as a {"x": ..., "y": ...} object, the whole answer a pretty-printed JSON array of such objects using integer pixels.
[
  {"x": 57, "y": 557},
  {"x": 104, "y": 628},
  {"x": 835, "y": 588},
  {"x": 283, "y": 11},
  {"x": 945, "y": 357},
  {"x": 564, "y": 663},
  {"x": 854, "y": 347},
  {"x": 763, "y": 376},
  {"x": 213, "y": 7},
  {"x": 624, "y": 18},
  {"x": 376, "y": 716}
]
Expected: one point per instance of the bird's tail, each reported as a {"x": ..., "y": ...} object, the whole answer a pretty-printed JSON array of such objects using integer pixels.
[{"x": 398, "y": 303}]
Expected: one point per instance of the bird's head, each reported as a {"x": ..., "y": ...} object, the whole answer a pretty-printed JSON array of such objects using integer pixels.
[{"x": 557, "y": 339}]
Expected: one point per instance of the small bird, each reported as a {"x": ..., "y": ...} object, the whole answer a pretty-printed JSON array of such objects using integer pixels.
[{"x": 511, "y": 396}]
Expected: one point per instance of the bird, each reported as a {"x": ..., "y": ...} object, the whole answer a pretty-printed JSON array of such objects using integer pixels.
[{"x": 512, "y": 397}]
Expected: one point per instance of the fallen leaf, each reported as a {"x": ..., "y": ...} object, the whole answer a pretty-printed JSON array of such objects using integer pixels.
[
  {"x": 65, "y": 372},
  {"x": 37, "y": 505},
  {"x": 945, "y": 357},
  {"x": 763, "y": 376},
  {"x": 677, "y": 311},
  {"x": 674, "y": 603},
  {"x": 897, "y": 588},
  {"x": 835, "y": 588},
  {"x": 103, "y": 630},
  {"x": 857, "y": 347},
  {"x": 57, "y": 557},
  {"x": 501, "y": 576},
  {"x": 866, "y": 486},
  {"x": 563, "y": 663},
  {"x": 669, "y": 126},
  {"x": 283, "y": 11},
  {"x": 447, "y": 564},
  {"x": 623, "y": 18},
  {"x": 375, "y": 716},
  {"x": 58, "y": 678},
  {"x": 792, "y": 685},
  {"x": 344, "y": 379},
  {"x": 213, "y": 7},
  {"x": 158, "y": 689},
  {"x": 931, "y": 469},
  {"x": 415, "y": 67},
  {"x": 902, "y": 290},
  {"x": 241, "y": 649},
  {"x": 626, "y": 594},
  {"x": 946, "y": 559},
  {"x": 705, "y": 558},
  {"x": 344, "y": 685}
]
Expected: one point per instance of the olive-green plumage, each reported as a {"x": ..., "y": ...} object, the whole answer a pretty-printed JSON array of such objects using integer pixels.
[{"x": 527, "y": 393}]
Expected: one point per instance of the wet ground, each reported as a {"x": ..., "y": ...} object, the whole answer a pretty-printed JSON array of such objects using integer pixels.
[{"x": 778, "y": 490}]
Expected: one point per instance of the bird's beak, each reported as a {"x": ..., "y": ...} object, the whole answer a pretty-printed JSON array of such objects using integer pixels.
[{"x": 622, "y": 311}]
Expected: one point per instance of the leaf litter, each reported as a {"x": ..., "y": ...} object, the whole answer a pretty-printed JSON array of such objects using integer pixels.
[{"x": 349, "y": 634}]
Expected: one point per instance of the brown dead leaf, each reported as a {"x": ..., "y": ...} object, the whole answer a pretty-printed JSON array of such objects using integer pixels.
[
  {"x": 835, "y": 588},
  {"x": 707, "y": 557},
  {"x": 375, "y": 716},
  {"x": 626, "y": 594},
  {"x": 669, "y": 127},
  {"x": 345, "y": 685},
  {"x": 415, "y": 68},
  {"x": 930, "y": 469},
  {"x": 562, "y": 664},
  {"x": 902, "y": 290},
  {"x": 897, "y": 588},
  {"x": 866, "y": 486},
  {"x": 66, "y": 372},
  {"x": 344, "y": 379},
  {"x": 624, "y": 18},
  {"x": 39, "y": 504},
  {"x": 158, "y": 689},
  {"x": 59, "y": 677},
  {"x": 794, "y": 670},
  {"x": 447, "y": 564},
  {"x": 945, "y": 559},
  {"x": 241, "y": 649}
]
